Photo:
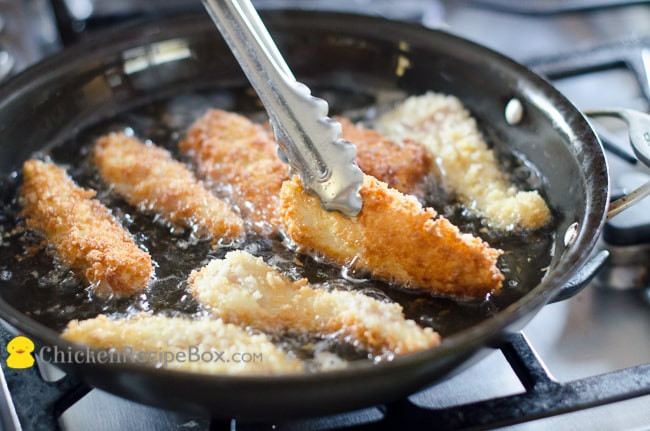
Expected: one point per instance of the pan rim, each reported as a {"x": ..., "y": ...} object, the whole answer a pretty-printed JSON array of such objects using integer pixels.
[{"x": 471, "y": 338}]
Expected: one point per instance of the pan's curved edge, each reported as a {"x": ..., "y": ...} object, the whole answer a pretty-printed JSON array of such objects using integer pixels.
[{"x": 276, "y": 396}]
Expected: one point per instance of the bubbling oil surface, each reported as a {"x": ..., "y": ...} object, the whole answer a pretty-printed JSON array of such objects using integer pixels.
[{"x": 34, "y": 282}]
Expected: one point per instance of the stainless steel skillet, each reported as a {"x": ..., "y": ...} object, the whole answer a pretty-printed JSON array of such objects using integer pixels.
[{"x": 50, "y": 104}]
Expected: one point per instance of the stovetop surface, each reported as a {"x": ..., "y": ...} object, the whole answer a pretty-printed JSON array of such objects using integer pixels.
[{"x": 604, "y": 328}]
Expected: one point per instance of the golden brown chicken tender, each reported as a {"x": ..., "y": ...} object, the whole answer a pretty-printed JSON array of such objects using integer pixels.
[
  {"x": 86, "y": 237},
  {"x": 395, "y": 239},
  {"x": 202, "y": 346},
  {"x": 243, "y": 289},
  {"x": 402, "y": 165},
  {"x": 149, "y": 178},
  {"x": 238, "y": 155}
]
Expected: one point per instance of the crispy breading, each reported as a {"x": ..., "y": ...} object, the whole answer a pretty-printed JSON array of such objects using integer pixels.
[
  {"x": 236, "y": 154},
  {"x": 179, "y": 343},
  {"x": 443, "y": 125},
  {"x": 243, "y": 289},
  {"x": 86, "y": 237},
  {"x": 241, "y": 156},
  {"x": 395, "y": 239},
  {"x": 403, "y": 165},
  {"x": 149, "y": 178}
]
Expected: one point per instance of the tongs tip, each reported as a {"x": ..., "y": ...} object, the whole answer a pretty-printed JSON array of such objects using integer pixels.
[
  {"x": 306, "y": 136},
  {"x": 341, "y": 190}
]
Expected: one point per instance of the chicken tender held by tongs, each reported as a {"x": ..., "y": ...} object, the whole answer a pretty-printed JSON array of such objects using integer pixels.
[
  {"x": 243, "y": 289},
  {"x": 85, "y": 235},
  {"x": 395, "y": 239},
  {"x": 150, "y": 179}
]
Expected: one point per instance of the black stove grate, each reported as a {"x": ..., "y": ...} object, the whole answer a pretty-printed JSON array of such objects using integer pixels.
[
  {"x": 39, "y": 403},
  {"x": 633, "y": 55},
  {"x": 544, "y": 396}
]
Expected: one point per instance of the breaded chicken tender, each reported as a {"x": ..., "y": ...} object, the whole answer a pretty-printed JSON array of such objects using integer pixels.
[
  {"x": 243, "y": 289},
  {"x": 86, "y": 237},
  {"x": 443, "y": 125},
  {"x": 403, "y": 165},
  {"x": 170, "y": 342},
  {"x": 236, "y": 154},
  {"x": 395, "y": 239},
  {"x": 150, "y": 179},
  {"x": 241, "y": 156}
]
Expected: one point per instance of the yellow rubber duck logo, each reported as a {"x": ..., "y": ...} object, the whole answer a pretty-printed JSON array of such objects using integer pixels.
[{"x": 20, "y": 352}]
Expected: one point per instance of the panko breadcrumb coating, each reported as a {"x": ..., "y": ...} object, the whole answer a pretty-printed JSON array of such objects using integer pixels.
[
  {"x": 445, "y": 127},
  {"x": 243, "y": 289},
  {"x": 86, "y": 237},
  {"x": 233, "y": 152},
  {"x": 395, "y": 239},
  {"x": 238, "y": 155},
  {"x": 150, "y": 179},
  {"x": 403, "y": 165},
  {"x": 169, "y": 341}
]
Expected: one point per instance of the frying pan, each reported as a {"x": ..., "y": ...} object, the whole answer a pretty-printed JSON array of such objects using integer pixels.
[{"x": 134, "y": 65}]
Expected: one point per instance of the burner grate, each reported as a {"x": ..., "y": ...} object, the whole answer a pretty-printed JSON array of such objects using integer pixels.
[
  {"x": 632, "y": 55},
  {"x": 39, "y": 403},
  {"x": 544, "y": 396},
  {"x": 36, "y": 402}
]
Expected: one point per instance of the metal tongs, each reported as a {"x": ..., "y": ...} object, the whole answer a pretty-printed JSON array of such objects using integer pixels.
[{"x": 307, "y": 138}]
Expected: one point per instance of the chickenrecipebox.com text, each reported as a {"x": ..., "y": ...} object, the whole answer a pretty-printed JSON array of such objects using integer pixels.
[{"x": 128, "y": 354}]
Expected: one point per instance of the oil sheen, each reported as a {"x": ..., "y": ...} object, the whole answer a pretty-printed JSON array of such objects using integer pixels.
[{"x": 35, "y": 283}]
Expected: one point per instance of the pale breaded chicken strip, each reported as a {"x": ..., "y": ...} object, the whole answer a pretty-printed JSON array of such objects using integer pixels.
[
  {"x": 236, "y": 154},
  {"x": 243, "y": 289},
  {"x": 403, "y": 165},
  {"x": 178, "y": 343},
  {"x": 86, "y": 237},
  {"x": 395, "y": 239},
  {"x": 150, "y": 179},
  {"x": 443, "y": 125}
]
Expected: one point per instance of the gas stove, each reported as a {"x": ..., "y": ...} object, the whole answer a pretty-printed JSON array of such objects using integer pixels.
[{"x": 583, "y": 363}]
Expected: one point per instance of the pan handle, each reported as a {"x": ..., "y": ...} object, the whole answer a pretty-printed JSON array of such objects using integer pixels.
[
  {"x": 580, "y": 280},
  {"x": 625, "y": 202},
  {"x": 639, "y": 132}
]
